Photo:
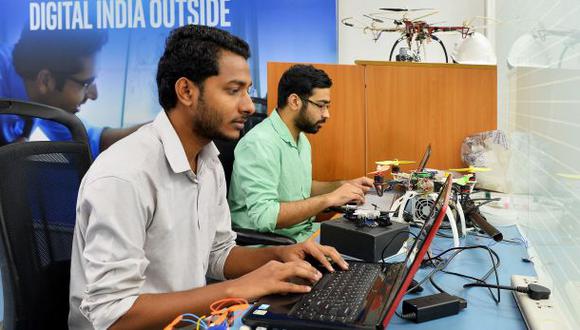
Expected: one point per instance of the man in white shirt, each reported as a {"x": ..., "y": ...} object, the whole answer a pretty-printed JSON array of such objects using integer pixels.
[{"x": 152, "y": 215}]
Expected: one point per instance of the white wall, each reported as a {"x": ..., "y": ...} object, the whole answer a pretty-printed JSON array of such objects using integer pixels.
[
  {"x": 539, "y": 97},
  {"x": 354, "y": 45}
]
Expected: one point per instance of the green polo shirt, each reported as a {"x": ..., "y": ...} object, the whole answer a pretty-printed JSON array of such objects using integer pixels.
[{"x": 269, "y": 168}]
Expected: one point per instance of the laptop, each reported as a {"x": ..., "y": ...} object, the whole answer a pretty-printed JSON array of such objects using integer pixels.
[
  {"x": 425, "y": 159},
  {"x": 364, "y": 297}
]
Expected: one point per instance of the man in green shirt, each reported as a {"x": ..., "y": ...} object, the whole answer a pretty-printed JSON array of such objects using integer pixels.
[{"x": 271, "y": 186}]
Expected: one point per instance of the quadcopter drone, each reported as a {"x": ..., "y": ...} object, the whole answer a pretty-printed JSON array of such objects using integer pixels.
[
  {"x": 419, "y": 190},
  {"x": 382, "y": 170},
  {"x": 414, "y": 31}
]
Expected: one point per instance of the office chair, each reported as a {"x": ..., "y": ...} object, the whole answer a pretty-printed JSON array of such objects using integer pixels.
[
  {"x": 38, "y": 192},
  {"x": 247, "y": 236}
]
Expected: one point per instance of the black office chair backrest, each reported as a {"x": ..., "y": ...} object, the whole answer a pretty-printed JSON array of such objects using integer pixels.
[
  {"x": 38, "y": 192},
  {"x": 227, "y": 148}
]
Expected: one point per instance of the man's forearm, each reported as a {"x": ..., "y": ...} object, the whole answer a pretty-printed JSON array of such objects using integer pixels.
[
  {"x": 324, "y": 187},
  {"x": 243, "y": 260},
  {"x": 154, "y": 311},
  {"x": 292, "y": 213}
]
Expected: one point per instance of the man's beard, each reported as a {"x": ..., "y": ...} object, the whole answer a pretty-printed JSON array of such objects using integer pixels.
[
  {"x": 304, "y": 125},
  {"x": 207, "y": 122}
]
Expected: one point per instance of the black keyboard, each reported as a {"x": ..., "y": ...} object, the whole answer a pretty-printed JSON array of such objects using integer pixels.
[{"x": 338, "y": 296}]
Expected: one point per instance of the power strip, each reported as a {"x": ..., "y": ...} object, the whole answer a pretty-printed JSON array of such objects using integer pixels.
[{"x": 538, "y": 314}]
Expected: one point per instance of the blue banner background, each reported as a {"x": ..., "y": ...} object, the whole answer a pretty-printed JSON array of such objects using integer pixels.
[{"x": 282, "y": 30}]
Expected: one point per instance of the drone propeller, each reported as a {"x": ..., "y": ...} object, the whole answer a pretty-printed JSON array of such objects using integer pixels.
[
  {"x": 404, "y": 9},
  {"x": 423, "y": 16},
  {"x": 381, "y": 170},
  {"x": 378, "y": 172},
  {"x": 395, "y": 162},
  {"x": 346, "y": 22},
  {"x": 471, "y": 169},
  {"x": 382, "y": 15},
  {"x": 355, "y": 23},
  {"x": 374, "y": 19}
]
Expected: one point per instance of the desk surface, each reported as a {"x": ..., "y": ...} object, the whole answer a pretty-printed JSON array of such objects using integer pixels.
[{"x": 482, "y": 312}]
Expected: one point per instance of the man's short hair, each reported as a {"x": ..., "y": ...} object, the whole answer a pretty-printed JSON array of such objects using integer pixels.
[
  {"x": 193, "y": 51},
  {"x": 301, "y": 79},
  {"x": 60, "y": 51}
]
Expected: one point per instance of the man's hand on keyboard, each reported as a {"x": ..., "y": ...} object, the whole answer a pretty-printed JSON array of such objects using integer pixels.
[
  {"x": 325, "y": 255},
  {"x": 274, "y": 277}
]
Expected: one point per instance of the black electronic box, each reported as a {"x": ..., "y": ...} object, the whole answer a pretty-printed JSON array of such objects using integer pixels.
[{"x": 365, "y": 243}]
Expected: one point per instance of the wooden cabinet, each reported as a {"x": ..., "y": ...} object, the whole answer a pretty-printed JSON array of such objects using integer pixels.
[{"x": 386, "y": 110}]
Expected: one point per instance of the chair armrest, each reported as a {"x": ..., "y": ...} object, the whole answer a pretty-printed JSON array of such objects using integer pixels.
[{"x": 253, "y": 237}]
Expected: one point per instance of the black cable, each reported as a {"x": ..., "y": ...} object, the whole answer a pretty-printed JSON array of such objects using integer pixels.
[
  {"x": 471, "y": 247},
  {"x": 509, "y": 240},
  {"x": 492, "y": 254},
  {"x": 419, "y": 283},
  {"x": 434, "y": 37},
  {"x": 497, "y": 199},
  {"x": 383, "y": 258},
  {"x": 443, "y": 263},
  {"x": 534, "y": 291},
  {"x": 408, "y": 316},
  {"x": 436, "y": 286},
  {"x": 394, "y": 47},
  {"x": 436, "y": 268},
  {"x": 441, "y": 267},
  {"x": 431, "y": 280},
  {"x": 486, "y": 285},
  {"x": 481, "y": 279}
]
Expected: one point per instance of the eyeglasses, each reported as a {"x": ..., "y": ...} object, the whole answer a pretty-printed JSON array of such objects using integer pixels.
[
  {"x": 320, "y": 106},
  {"x": 85, "y": 84}
]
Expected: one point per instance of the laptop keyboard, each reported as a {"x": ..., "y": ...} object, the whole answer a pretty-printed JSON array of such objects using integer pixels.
[{"x": 338, "y": 296}]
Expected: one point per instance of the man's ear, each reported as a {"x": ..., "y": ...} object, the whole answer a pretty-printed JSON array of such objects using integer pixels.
[
  {"x": 187, "y": 92},
  {"x": 45, "y": 82},
  {"x": 294, "y": 102}
]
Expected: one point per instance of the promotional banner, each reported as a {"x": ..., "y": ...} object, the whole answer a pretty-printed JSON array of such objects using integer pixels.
[{"x": 126, "y": 93}]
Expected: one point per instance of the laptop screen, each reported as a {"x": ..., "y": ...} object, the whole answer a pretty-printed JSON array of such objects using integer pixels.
[
  {"x": 418, "y": 250},
  {"x": 425, "y": 159}
]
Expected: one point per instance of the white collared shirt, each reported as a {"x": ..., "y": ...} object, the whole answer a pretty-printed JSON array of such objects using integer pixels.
[{"x": 146, "y": 223}]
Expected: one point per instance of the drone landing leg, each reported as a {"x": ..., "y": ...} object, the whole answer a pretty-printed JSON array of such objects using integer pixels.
[
  {"x": 396, "y": 207},
  {"x": 400, "y": 205},
  {"x": 453, "y": 224},
  {"x": 461, "y": 218}
]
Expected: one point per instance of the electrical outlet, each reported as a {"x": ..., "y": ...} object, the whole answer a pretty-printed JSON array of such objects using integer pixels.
[{"x": 538, "y": 314}]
